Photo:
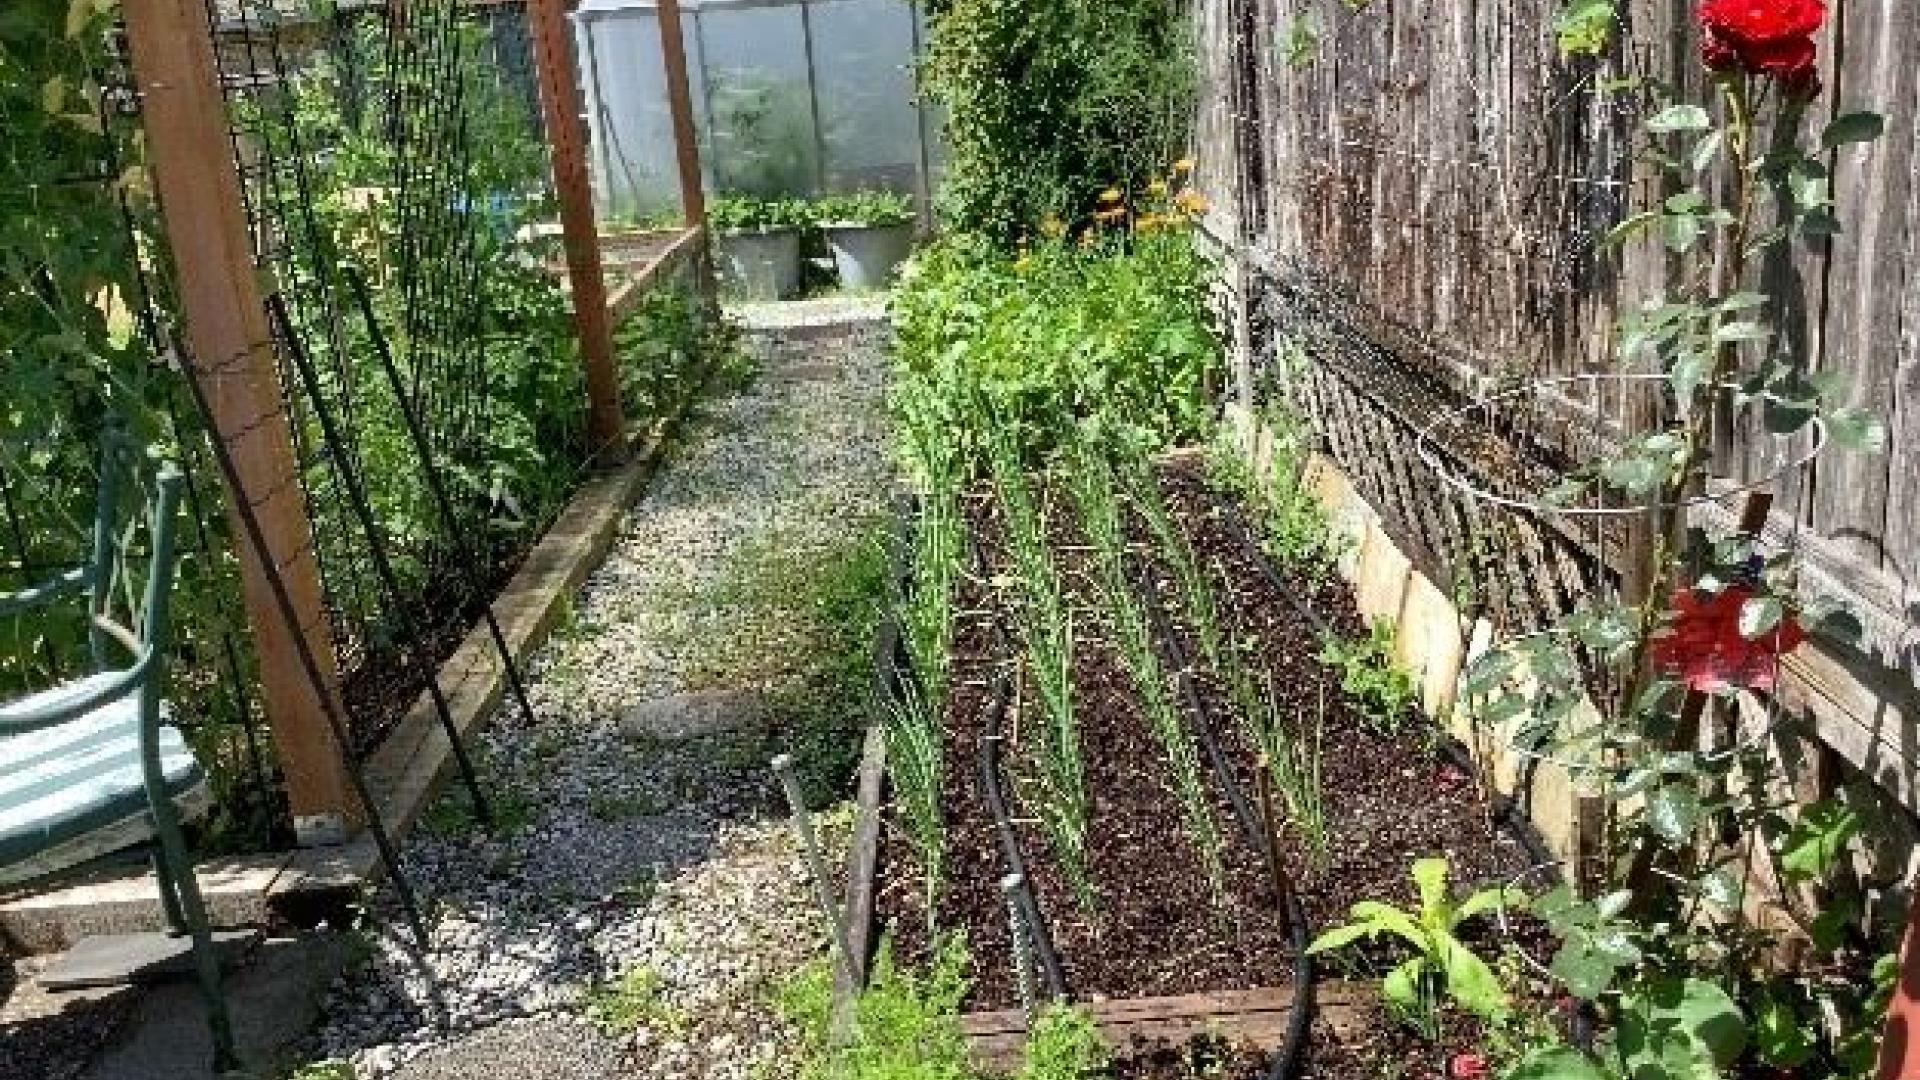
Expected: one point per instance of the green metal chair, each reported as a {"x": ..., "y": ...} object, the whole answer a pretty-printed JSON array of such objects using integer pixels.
[{"x": 94, "y": 768}]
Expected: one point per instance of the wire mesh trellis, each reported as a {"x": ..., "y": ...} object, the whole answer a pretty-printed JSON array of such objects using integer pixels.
[{"x": 385, "y": 141}]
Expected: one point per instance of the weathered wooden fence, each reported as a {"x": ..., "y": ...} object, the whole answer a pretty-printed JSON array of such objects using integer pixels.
[{"x": 1414, "y": 195}]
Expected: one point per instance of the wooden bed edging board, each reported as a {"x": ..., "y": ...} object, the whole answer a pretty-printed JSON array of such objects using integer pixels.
[
  {"x": 1260, "y": 1016},
  {"x": 863, "y": 870}
]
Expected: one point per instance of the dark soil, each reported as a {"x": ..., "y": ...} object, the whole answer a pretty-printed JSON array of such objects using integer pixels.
[{"x": 1390, "y": 798}]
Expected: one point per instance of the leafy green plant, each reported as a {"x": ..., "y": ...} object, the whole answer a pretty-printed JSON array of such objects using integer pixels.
[
  {"x": 904, "y": 1026},
  {"x": 1036, "y": 344},
  {"x": 1442, "y": 967},
  {"x": 1127, "y": 619},
  {"x": 1295, "y": 764},
  {"x": 1063, "y": 1043},
  {"x": 637, "y": 999},
  {"x": 1372, "y": 678},
  {"x": 740, "y": 213},
  {"x": 1293, "y": 526},
  {"x": 1049, "y": 102},
  {"x": 1669, "y": 949},
  {"x": 864, "y": 209}
]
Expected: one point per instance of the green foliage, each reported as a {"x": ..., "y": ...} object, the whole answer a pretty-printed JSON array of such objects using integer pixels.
[
  {"x": 743, "y": 213},
  {"x": 635, "y": 1000},
  {"x": 668, "y": 348},
  {"x": 1064, "y": 1044},
  {"x": 905, "y": 1026},
  {"x": 1441, "y": 963},
  {"x": 869, "y": 209},
  {"x": 1049, "y": 102},
  {"x": 915, "y": 724},
  {"x": 1372, "y": 678},
  {"x": 1585, "y": 27},
  {"x": 1036, "y": 344},
  {"x": 1293, "y": 526}
]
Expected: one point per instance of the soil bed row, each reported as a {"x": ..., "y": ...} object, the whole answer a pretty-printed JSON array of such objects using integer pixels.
[{"x": 1158, "y": 930}]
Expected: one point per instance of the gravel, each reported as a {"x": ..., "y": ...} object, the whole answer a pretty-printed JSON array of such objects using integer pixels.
[{"x": 658, "y": 863}]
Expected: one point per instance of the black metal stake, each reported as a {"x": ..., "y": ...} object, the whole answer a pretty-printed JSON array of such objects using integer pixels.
[
  {"x": 376, "y": 545},
  {"x": 270, "y": 569},
  {"x": 431, "y": 470}
]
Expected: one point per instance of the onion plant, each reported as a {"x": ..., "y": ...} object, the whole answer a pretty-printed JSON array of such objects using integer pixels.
[
  {"x": 1293, "y": 763},
  {"x": 927, "y": 624},
  {"x": 1044, "y": 623},
  {"x": 1103, "y": 520}
]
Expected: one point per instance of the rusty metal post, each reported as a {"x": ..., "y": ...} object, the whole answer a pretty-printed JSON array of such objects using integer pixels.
[
  {"x": 232, "y": 360},
  {"x": 547, "y": 26}
]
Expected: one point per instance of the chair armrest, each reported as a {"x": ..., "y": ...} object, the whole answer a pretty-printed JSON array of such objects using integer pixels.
[
  {"x": 21, "y": 717},
  {"x": 12, "y": 604}
]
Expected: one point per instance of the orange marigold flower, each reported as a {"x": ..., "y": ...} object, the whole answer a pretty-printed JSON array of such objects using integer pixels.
[{"x": 1191, "y": 201}]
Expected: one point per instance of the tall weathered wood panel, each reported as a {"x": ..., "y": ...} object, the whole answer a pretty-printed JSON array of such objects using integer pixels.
[{"x": 1440, "y": 176}]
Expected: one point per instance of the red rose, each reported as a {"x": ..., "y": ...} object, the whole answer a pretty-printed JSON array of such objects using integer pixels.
[
  {"x": 1705, "y": 648},
  {"x": 1467, "y": 1067},
  {"x": 1763, "y": 37}
]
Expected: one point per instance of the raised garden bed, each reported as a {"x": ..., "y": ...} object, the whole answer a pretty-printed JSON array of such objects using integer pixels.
[{"x": 1162, "y": 960}]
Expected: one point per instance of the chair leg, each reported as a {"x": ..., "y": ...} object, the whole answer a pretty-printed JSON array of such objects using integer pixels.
[
  {"x": 169, "y": 893},
  {"x": 172, "y": 850}
]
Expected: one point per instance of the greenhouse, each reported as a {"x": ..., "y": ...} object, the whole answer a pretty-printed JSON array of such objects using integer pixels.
[{"x": 959, "y": 539}]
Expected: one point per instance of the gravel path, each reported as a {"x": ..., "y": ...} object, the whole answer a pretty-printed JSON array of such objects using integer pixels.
[{"x": 650, "y": 898}]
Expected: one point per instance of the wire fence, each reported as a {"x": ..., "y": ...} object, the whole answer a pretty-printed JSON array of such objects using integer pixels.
[{"x": 398, "y": 201}]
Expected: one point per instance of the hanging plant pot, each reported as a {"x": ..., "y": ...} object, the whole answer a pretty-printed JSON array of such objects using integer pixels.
[
  {"x": 759, "y": 264},
  {"x": 867, "y": 255}
]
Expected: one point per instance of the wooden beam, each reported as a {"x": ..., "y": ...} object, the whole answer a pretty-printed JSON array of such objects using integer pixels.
[
  {"x": 567, "y": 140},
  {"x": 232, "y": 357},
  {"x": 686, "y": 138}
]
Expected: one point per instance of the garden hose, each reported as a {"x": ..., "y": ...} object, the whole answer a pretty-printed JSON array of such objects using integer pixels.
[{"x": 1024, "y": 898}]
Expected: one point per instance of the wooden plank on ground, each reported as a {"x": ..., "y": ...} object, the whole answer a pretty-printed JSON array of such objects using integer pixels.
[{"x": 1259, "y": 1016}]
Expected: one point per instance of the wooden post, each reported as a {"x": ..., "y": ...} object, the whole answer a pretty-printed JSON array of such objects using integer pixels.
[
  {"x": 686, "y": 146},
  {"x": 232, "y": 358},
  {"x": 567, "y": 140},
  {"x": 686, "y": 138}
]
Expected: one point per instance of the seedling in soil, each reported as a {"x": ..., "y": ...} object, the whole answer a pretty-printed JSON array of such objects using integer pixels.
[
  {"x": 1102, "y": 520},
  {"x": 1372, "y": 680},
  {"x": 1442, "y": 966}
]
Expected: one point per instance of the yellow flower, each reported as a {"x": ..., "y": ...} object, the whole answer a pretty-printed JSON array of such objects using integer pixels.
[
  {"x": 1020, "y": 264},
  {"x": 1157, "y": 189},
  {"x": 1112, "y": 215},
  {"x": 1053, "y": 227},
  {"x": 1111, "y": 195},
  {"x": 1191, "y": 201},
  {"x": 1183, "y": 166}
]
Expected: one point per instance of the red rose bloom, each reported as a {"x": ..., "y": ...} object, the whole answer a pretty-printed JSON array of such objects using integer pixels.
[
  {"x": 1704, "y": 646},
  {"x": 1763, "y": 37},
  {"x": 1468, "y": 1067}
]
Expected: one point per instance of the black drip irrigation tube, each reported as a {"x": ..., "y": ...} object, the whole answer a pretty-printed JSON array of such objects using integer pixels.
[
  {"x": 1299, "y": 1021},
  {"x": 1023, "y": 897}
]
